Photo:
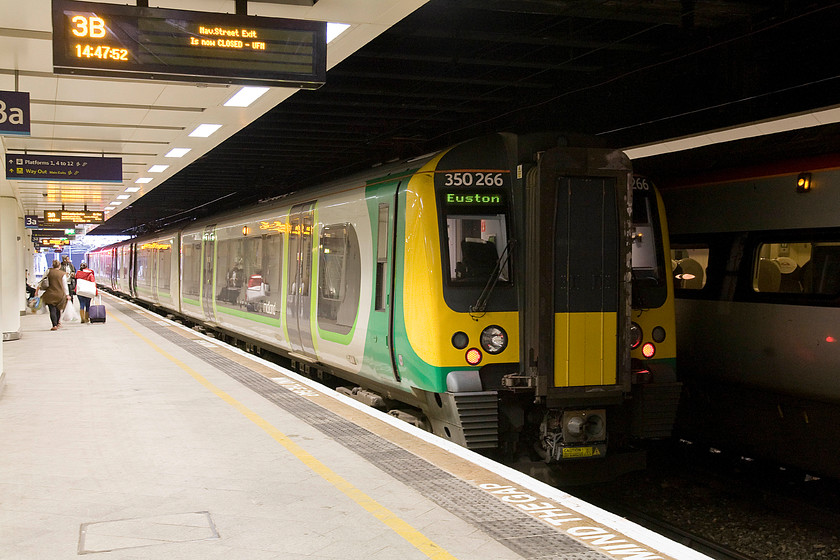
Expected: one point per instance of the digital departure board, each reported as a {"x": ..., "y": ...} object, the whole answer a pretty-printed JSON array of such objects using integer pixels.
[
  {"x": 156, "y": 43},
  {"x": 55, "y": 217}
]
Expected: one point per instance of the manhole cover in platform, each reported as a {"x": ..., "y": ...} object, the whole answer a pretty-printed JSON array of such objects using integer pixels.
[{"x": 105, "y": 536}]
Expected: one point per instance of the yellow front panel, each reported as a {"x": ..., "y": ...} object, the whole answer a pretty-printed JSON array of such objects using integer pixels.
[
  {"x": 429, "y": 322},
  {"x": 585, "y": 349}
]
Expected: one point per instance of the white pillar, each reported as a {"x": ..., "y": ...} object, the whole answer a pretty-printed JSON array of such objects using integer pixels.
[
  {"x": 11, "y": 273},
  {"x": 25, "y": 240}
]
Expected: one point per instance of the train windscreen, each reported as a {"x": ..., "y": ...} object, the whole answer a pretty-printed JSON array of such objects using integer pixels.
[
  {"x": 649, "y": 278},
  {"x": 477, "y": 235}
]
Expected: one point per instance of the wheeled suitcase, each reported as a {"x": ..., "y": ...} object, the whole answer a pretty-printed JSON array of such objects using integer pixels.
[{"x": 96, "y": 313}]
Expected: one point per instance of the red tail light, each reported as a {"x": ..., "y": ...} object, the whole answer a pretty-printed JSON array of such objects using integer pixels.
[{"x": 473, "y": 356}]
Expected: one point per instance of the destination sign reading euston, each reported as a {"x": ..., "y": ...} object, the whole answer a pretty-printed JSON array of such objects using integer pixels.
[{"x": 157, "y": 43}]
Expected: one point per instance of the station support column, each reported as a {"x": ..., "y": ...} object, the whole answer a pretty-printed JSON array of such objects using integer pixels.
[{"x": 12, "y": 300}]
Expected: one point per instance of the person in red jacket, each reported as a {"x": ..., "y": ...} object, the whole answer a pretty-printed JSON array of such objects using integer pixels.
[{"x": 85, "y": 273}]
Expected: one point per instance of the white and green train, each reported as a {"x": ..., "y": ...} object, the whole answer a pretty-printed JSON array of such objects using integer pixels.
[{"x": 483, "y": 292}]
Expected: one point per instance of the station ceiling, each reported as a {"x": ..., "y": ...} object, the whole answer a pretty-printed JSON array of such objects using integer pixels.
[{"x": 633, "y": 72}]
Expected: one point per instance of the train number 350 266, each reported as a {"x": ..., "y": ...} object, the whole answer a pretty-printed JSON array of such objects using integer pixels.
[{"x": 473, "y": 179}]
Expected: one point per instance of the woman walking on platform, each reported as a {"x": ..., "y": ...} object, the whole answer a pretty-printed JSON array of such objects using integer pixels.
[
  {"x": 85, "y": 273},
  {"x": 56, "y": 293}
]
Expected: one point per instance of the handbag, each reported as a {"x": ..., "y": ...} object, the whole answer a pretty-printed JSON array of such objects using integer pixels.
[
  {"x": 85, "y": 288},
  {"x": 35, "y": 303},
  {"x": 44, "y": 283}
]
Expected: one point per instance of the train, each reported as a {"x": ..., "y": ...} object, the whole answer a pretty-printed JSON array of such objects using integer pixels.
[
  {"x": 756, "y": 257},
  {"x": 510, "y": 293}
]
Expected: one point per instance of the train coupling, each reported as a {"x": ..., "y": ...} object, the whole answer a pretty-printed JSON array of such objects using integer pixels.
[
  {"x": 518, "y": 382},
  {"x": 573, "y": 434}
]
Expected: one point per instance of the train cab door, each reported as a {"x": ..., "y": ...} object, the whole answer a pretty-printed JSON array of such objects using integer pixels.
[
  {"x": 298, "y": 295},
  {"x": 208, "y": 272},
  {"x": 577, "y": 301},
  {"x": 132, "y": 269},
  {"x": 113, "y": 280}
]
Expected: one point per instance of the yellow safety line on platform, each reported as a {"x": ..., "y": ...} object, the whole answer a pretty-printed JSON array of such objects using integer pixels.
[{"x": 395, "y": 523}]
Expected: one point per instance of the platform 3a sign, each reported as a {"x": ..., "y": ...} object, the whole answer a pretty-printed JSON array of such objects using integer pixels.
[{"x": 14, "y": 112}]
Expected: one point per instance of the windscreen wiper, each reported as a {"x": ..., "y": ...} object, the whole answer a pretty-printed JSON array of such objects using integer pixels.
[{"x": 478, "y": 309}]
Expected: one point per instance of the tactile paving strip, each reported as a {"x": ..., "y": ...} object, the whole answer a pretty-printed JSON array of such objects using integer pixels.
[{"x": 519, "y": 532}]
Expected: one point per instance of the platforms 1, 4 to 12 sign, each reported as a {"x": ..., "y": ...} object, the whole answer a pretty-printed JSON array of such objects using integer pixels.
[{"x": 28, "y": 167}]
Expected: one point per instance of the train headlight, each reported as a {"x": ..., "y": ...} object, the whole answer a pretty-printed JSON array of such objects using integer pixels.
[
  {"x": 473, "y": 356},
  {"x": 460, "y": 340},
  {"x": 494, "y": 339},
  {"x": 635, "y": 335},
  {"x": 648, "y": 350},
  {"x": 658, "y": 334}
]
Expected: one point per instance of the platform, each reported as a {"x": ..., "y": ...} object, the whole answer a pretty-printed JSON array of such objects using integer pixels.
[{"x": 142, "y": 439}]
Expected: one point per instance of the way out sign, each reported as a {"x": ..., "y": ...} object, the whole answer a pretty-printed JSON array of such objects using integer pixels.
[{"x": 14, "y": 112}]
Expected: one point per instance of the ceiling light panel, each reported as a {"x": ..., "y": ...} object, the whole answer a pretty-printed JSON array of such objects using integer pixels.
[
  {"x": 245, "y": 96},
  {"x": 205, "y": 130}
]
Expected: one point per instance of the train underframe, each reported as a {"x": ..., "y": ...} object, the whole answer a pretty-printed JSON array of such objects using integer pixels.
[{"x": 509, "y": 421}]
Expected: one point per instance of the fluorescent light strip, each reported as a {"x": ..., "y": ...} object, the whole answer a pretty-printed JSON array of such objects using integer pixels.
[
  {"x": 144, "y": 180},
  {"x": 158, "y": 168},
  {"x": 335, "y": 29},
  {"x": 177, "y": 152},
  {"x": 124, "y": 197},
  {"x": 245, "y": 96},
  {"x": 760, "y": 128},
  {"x": 132, "y": 189},
  {"x": 205, "y": 130}
]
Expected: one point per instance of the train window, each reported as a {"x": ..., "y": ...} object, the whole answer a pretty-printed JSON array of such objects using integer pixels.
[
  {"x": 263, "y": 272},
  {"x": 381, "y": 258},
  {"x": 649, "y": 274},
  {"x": 191, "y": 267},
  {"x": 144, "y": 270},
  {"x": 476, "y": 243},
  {"x": 230, "y": 265},
  {"x": 339, "y": 278},
  {"x": 248, "y": 266},
  {"x": 797, "y": 268},
  {"x": 690, "y": 265},
  {"x": 476, "y": 236},
  {"x": 164, "y": 267}
]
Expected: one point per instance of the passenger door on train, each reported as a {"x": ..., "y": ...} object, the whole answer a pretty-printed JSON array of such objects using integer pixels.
[
  {"x": 298, "y": 295},
  {"x": 208, "y": 272},
  {"x": 132, "y": 273},
  {"x": 586, "y": 281},
  {"x": 578, "y": 211}
]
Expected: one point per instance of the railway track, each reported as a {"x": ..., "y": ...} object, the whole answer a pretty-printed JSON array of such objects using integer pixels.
[
  {"x": 694, "y": 541},
  {"x": 726, "y": 508}
]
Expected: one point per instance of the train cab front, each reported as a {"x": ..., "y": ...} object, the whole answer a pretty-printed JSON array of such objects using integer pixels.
[
  {"x": 517, "y": 313},
  {"x": 577, "y": 297}
]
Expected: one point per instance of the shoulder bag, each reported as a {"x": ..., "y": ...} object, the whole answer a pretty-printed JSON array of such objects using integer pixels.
[{"x": 85, "y": 288}]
